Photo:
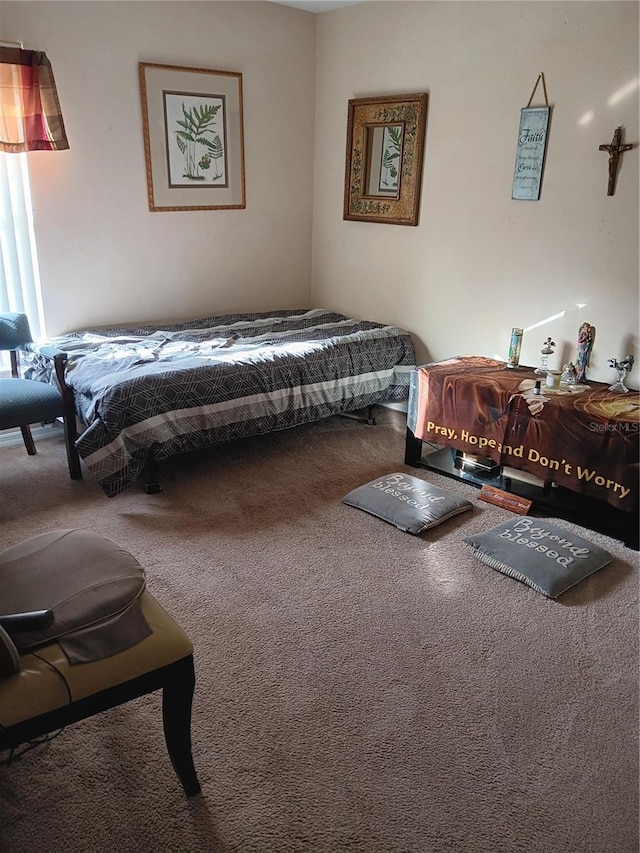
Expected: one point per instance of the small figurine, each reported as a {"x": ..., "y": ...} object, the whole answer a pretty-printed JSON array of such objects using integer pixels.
[
  {"x": 586, "y": 337},
  {"x": 623, "y": 367},
  {"x": 569, "y": 374},
  {"x": 546, "y": 351}
]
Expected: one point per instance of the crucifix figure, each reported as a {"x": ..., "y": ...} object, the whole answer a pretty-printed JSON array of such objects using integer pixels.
[{"x": 615, "y": 150}]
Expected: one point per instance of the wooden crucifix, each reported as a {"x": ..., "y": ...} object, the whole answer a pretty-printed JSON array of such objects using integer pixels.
[{"x": 615, "y": 150}]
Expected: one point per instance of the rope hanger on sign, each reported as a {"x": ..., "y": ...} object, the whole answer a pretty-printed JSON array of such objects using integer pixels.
[{"x": 544, "y": 89}]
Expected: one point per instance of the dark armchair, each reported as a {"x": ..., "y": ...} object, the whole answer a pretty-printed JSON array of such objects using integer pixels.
[{"x": 27, "y": 401}]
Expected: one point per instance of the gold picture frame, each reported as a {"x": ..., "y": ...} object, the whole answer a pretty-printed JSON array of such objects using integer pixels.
[
  {"x": 385, "y": 150},
  {"x": 193, "y": 137}
]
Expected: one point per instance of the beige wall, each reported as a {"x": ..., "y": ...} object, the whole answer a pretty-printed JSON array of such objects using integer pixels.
[
  {"x": 104, "y": 257},
  {"x": 478, "y": 262}
]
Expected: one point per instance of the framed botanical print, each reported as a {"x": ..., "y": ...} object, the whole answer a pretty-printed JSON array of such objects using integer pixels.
[{"x": 193, "y": 137}]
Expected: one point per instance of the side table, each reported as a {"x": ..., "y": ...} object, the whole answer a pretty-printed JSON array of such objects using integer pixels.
[{"x": 574, "y": 452}]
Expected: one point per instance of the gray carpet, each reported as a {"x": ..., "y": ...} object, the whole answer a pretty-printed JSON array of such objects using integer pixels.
[{"x": 358, "y": 689}]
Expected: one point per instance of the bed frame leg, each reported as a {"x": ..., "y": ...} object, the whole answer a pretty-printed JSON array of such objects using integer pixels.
[
  {"x": 152, "y": 483},
  {"x": 369, "y": 419}
]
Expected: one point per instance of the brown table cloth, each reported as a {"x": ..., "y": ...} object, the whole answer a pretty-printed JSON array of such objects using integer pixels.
[{"x": 583, "y": 437}]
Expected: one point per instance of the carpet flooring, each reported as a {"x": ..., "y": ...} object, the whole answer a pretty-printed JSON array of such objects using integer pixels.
[{"x": 358, "y": 688}]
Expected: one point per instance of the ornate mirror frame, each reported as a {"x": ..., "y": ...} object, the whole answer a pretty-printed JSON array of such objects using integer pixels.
[{"x": 372, "y": 123}]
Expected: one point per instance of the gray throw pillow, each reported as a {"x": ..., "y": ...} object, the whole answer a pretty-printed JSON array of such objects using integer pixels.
[
  {"x": 411, "y": 504},
  {"x": 544, "y": 556}
]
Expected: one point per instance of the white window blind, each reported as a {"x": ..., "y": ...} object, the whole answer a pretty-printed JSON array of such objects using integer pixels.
[{"x": 19, "y": 274}]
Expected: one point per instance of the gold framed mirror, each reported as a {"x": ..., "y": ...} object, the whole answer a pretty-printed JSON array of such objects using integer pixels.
[{"x": 385, "y": 148}]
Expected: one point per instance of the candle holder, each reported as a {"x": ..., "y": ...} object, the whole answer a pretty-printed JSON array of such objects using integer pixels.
[
  {"x": 515, "y": 346},
  {"x": 622, "y": 368},
  {"x": 545, "y": 353}
]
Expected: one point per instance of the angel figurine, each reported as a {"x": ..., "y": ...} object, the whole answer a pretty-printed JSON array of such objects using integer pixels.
[
  {"x": 546, "y": 351},
  {"x": 586, "y": 337},
  {"x": 569, "y": 373}
]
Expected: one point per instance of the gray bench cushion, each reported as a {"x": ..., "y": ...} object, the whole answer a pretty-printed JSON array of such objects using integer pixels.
[{"x": 91, "y": 584}]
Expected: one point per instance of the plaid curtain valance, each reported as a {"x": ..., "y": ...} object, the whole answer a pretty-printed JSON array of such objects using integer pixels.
[{"x": 30, "y": 115}]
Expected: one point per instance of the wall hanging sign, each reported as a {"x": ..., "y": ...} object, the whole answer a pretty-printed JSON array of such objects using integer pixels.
[
  {"x": 193, "y": 137},
  {"x": 531, "y": 148}
]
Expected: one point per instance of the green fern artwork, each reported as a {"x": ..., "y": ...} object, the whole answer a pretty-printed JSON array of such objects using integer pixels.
[{"x": 194, "y": 138}]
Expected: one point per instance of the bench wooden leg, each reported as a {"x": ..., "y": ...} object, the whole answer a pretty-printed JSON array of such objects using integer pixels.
[{"x": 177, "y": 699}]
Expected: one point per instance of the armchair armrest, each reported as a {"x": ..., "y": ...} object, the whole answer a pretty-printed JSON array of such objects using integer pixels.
[
  {"x": 51, "y": 352},
  {"x": 59, "y": 358}
]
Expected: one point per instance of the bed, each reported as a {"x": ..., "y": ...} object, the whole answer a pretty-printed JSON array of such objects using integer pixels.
[{"x": 143, "y": 394}]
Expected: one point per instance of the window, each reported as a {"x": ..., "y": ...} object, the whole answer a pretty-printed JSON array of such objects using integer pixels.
[
  {"x": 19, "y": 274},
  {"x": 30, "y": 120}
]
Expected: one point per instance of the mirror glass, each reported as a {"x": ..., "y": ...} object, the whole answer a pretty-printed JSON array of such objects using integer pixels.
[{"x": 384, "y": 159}]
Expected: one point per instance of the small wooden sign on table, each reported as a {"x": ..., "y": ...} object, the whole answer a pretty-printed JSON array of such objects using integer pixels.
[{"x": 506, "y": 500}]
